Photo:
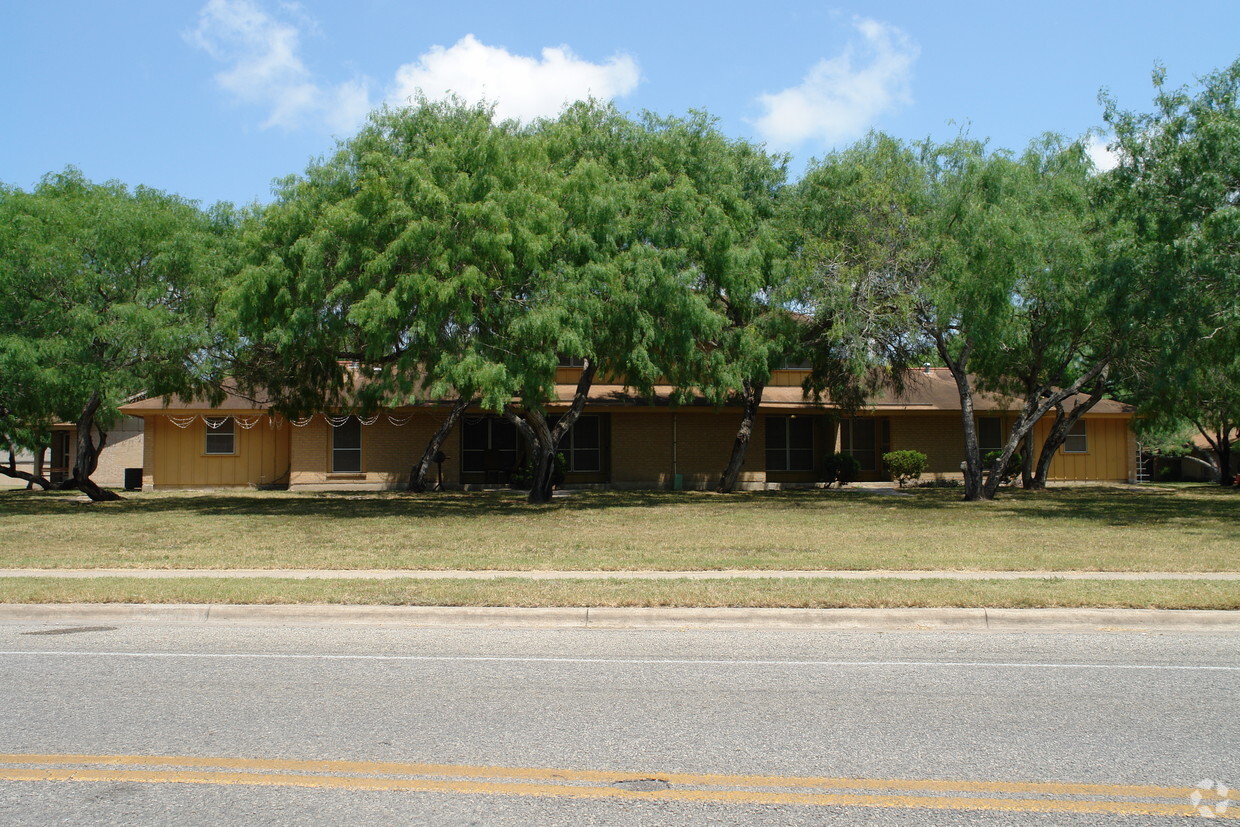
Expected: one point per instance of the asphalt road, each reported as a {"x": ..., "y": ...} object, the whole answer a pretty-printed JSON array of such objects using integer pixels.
[{"x": 190, "y": 724}]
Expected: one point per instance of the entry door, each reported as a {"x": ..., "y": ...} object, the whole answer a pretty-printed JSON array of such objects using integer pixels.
[{"x": 59, "y": 471}]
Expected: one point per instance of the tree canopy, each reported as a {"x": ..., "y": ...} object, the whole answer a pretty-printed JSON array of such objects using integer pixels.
[
  {"x": 104, "y": 293},
  {"x": 1177, "y": 191}
]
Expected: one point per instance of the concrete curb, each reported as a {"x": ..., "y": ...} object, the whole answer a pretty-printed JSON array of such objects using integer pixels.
[{"x": 874, "y": 620}]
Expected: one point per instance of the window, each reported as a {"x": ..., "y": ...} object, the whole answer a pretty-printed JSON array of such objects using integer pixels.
[
  {"x": 989, "y": 434},
  {"x": 221, "y": 436},
  {"x": 857, "y": 439},
  {"x": 1076, "y": 441},
  {"x": 488, "y": 444},
  {"x": 347, "y": 447},
  {"x": 789, "y": 443},
  {"x": 582, "y": 445}
]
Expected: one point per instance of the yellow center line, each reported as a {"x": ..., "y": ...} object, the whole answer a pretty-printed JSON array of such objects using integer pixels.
[
  {"x": 606, "y": 776},
  {"x": 519, "y": 781}
]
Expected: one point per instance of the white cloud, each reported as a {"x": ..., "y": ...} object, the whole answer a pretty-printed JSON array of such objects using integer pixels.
[
  {"x": 520, "y": 87},
  {"x": 265, "y": 67},
  {"x": 841, "y": 97},
  {"x": 1104, "y": 159}
]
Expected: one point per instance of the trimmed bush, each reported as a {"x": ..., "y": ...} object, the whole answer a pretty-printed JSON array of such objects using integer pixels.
[
  {"x": 905, "y": 465},
  {"x": 841, "y": 468}
]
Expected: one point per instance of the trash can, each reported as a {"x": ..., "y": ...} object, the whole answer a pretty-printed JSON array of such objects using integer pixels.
[{"x": 133, "y": 479}]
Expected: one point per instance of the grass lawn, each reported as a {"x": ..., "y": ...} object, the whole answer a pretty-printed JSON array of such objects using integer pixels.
[
  {"x": 1092, "y": 528},
  {"x": 746, "y": 593}
]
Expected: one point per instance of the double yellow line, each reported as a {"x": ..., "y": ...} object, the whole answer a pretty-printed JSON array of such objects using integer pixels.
[{"x": 598, "y": 784}]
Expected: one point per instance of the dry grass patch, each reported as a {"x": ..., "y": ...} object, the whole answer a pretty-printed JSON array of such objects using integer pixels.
[
  {"x": 1093, "y": 528},
  {"x": 748, "y": 593}
]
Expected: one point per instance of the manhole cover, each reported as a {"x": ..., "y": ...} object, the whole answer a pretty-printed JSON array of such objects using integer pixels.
[
  {"x": 643, "y": 785},
  {"x": 72, "y": 630}
]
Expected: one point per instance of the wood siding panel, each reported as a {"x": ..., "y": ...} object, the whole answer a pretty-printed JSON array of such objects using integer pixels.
[
  {"x": 180, "y": 459},
  {"x": 1106, "y": 460}
]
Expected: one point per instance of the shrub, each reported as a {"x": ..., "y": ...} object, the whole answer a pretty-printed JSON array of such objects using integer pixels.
[
  {"x": 1007, "y": 474},
  {"x": 523, "y": 477},
  {"x": 904, "y": 465},
  {"x": 940, "y": 484},
  {"x": 841, "y": 468}
]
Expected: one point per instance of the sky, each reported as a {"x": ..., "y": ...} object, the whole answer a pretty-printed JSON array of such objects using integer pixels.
[{"x": 216, "y": 99}]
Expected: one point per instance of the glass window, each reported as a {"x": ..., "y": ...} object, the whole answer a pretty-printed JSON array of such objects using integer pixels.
[
  {"x": 789, "y": 443},
  {"x": 989, "y": 433},
  {"x": 1076, "y": 441},
  {"x": 221, "y": 436},
  {"x": 858, "y": 439},
  {"x": 347, "y": 447},
  {"x": 582, "y": 445},
  {"x": 488, "y": 443}
]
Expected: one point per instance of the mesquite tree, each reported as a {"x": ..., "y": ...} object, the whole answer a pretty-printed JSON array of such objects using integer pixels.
[
  {"x": 394, "y": 255},
  {"x": 968, "y": 253},
  {"x": 1177, "y": 190},
  {"x": 104, "y": 293}
]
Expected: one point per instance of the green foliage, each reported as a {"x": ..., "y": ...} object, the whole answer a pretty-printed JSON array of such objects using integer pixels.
[
  {"x": 454, "y": 256},
  {"x": 1175, "y": 194},
  {"x": 523, "y": 477},
  {"x": 841, "y": 468},
  {"x": 905, "y": 465},
  {"x": 945, "y": 483},
  {"x": 986, "y": 258},
  {"x": 1006, "y": 473},
  {"x": 104, "y": 292}
]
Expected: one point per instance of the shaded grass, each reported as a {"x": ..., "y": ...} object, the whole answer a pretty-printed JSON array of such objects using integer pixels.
[
  {"x": 1090, "y": 528},
  {"x": 748, "y": 593}
]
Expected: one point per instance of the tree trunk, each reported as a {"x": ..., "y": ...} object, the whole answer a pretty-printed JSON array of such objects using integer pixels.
[
  {"x": 973, "y": 490},
  {"x": 1224, "y": 462},
  {"x": 1211, "y": 465},
  {"x": 1220, "y": 444},
  {"x": 752, "y": 399},
  {"x": 543, "y": 441},
  {"x": 417, "y": 474},
  {"x": 1058, "y": 434},
  {"x": 1026, "y": 462},
  {"x": 40, "y": 455},
  {"x": 88, "y": 454},
  {"x": 32, "y": 480}
]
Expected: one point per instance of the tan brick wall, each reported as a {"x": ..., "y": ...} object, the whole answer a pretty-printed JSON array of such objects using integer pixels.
[
  {"x": 938, "y": 436},
  {"x": 124, "y": 449},
  {"x": 388, "y": 453}
]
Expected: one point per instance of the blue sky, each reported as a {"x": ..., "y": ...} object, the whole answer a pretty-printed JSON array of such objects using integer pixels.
[{"x": 213, "y": 100}]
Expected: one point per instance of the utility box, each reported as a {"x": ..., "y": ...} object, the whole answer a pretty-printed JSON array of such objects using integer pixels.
[{"x": 133, "y": 479}]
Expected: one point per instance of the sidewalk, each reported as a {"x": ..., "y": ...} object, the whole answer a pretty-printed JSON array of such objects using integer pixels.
[{"x": 748, "y": 574}]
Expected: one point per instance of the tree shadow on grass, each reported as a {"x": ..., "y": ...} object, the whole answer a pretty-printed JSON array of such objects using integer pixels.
[{"x": 1086, "y": 504}]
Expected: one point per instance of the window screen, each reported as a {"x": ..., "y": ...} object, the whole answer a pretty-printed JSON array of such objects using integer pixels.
[
  {"x": 857, "y": 438},
  {"x": 989, "y": 433},
  {"x": 347, "y": 447},
  {"x": 582, "y": 445},
  {"x": 789, "y": 443},
  {"x": 221, "y": 436},
  {"x": 1076, "y": 442}
]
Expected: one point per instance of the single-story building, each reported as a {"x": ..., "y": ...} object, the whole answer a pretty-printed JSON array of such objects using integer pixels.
[
  {"x": 620, "y": 441},
  {"x": 124, "y": 450}
]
